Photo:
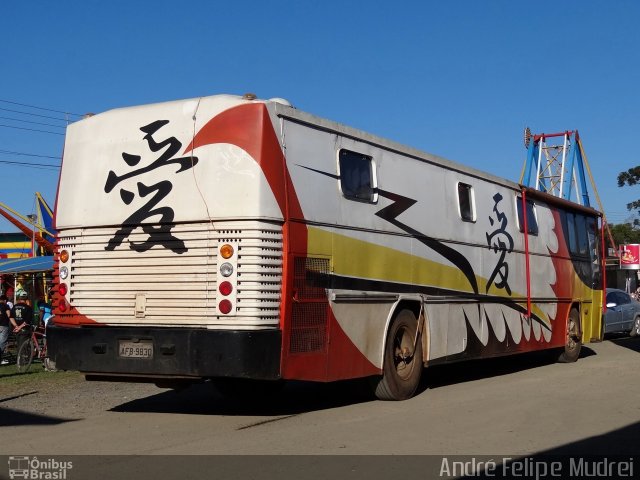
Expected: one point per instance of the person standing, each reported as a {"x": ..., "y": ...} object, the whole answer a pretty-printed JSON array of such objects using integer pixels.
[
  {"x": 45, "y": 312},
  {"x": 21, "y": 316},
  {"x": 5, "y": 325}
]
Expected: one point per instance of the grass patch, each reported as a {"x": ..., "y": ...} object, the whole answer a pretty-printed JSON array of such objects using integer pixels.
[{"x": 37, "y": 378}]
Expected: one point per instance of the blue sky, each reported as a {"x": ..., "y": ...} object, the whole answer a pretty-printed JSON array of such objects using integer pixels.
[{"x": 460, "y": 79}]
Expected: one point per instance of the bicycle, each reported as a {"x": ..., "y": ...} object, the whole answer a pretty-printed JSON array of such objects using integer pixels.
[{"x": 35, "y": 345}]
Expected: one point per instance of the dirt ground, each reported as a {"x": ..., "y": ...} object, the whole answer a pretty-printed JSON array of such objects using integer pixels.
[
  {"x": 520, "y": 405},
  {"x": 74, "y": 397}
]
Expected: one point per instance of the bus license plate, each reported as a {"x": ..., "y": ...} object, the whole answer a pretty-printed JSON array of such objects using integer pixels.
[{"x": 136, "y": 349}]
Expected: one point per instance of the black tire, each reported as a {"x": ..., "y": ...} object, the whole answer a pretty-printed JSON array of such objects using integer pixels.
[
  {"x": 635, "y": 330},
  {"x": 25, "y": 356},
  {"x": 573, "y": 343},
  {"x": 402, "y": 367}
]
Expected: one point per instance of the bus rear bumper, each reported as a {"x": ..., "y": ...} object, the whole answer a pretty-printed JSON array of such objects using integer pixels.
[{"x": 174, "y": 352}]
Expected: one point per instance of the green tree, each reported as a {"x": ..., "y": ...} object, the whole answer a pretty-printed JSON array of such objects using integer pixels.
[
  {"x": 624, "y": 233},
  {"x": 631, "y": 177}
]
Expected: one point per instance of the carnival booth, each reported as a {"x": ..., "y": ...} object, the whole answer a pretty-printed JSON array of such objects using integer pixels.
[
  {"x": 26, "y": 257},
  {"x": 33, "y": 275}
]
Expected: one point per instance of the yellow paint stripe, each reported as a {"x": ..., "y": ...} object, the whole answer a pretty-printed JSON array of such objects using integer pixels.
[
  {"x": 357, "y": 258},
  {"x": 14, "y": 245}
]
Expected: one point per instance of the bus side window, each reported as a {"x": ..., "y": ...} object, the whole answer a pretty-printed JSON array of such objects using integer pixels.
[
  {"x": 532, "y": 221},
  {"x": 592, "y": 237},
  {"x": 581, "y": 228},
  {"x": 466, "y": 202},
  {"x": 571, "y": 231},
  {"x": 593, "y": 234},
  {"x": 356, "y": 176}
]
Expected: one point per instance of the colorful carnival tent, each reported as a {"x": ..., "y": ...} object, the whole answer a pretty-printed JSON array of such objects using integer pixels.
[
  {"x": 37, "y": 227},
  {"x": 33, "y": 275},
  {"x": 26, "y": 265},
  {"x": 26, "y": 257},
  {"x": 15, "y": 245}
]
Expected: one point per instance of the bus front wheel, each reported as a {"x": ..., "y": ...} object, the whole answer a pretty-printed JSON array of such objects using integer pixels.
[
  {"x": 573, "y": 343},
  {"x": 402, "y": 365}
]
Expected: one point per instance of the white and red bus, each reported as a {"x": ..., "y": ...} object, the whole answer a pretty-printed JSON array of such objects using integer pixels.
[{"x": 229, "y": 237}]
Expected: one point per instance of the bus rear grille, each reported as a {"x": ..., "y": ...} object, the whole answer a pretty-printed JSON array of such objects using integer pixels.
[{"x": 109, "y": 286}]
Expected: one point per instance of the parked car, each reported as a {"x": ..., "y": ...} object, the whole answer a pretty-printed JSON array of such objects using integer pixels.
[{"x": 623, "y": 313}]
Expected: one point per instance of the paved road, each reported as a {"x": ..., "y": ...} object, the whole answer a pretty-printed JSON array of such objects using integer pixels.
[{"x": 521, "y": 405}]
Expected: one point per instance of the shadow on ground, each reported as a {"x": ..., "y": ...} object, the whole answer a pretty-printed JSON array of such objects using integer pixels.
[
  {"x": 600, "y": 456},
  {"x": 623, "y": 441},
  {"x": 298, "y": 397},
  {"x": 624, "y": 340},
  {"x": 467, "y": 371},
  {"x": 13, "y": 418},
  {"x": 12, "y": 372},
  {"x": 294, "y": 398}
]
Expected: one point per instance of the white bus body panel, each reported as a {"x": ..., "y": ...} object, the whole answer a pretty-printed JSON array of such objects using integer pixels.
[
  {"x": 397, "y": 257},
  {"x": 227, "y": 182},
  {"x": 422, "y": 249},
  {"x": 218, "y": 194}
]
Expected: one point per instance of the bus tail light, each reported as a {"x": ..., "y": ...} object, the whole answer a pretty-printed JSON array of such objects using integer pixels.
[
  {"x": 224, "y": 306},
  {"x": 228, "y": 256},
  {"x": 225, "y": 288},
  {"x": 226, "y": 251}
]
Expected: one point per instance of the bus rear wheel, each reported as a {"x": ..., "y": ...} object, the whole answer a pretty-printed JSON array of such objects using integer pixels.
[
  {"x": 573, "y": 343},
  {"x": 402, "y": 365}
]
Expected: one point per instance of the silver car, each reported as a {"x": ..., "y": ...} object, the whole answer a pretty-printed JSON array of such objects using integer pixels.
[{"x": 623, "y": 313}]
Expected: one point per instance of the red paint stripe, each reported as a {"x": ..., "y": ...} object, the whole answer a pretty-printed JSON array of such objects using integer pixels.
[
  {"x": 603, "y": 267},
  {"x": 71, "y": 317},
  {"x": 526, "y": 251},
  {"x": 249, "y": 127}
]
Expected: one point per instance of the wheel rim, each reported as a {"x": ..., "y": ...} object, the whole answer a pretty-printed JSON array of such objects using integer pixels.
[
  {"x": 637, "y": 326},
  {"x": 572, "y": 334},
  {"x": 403, "y": 352}
]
